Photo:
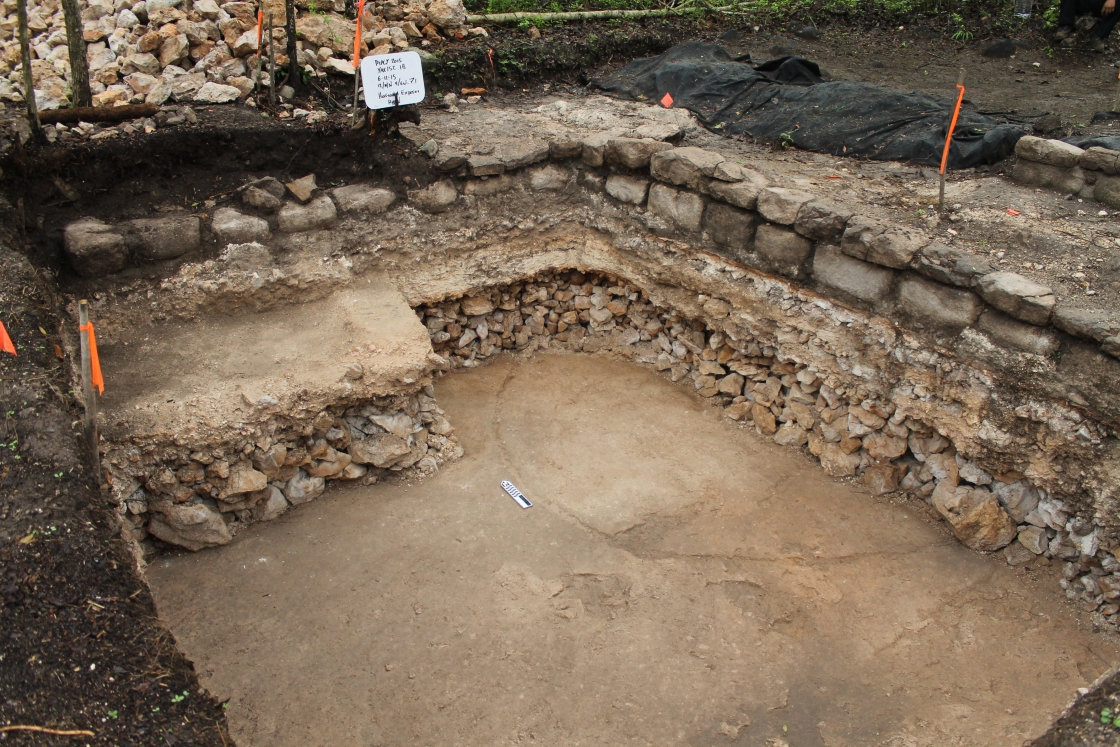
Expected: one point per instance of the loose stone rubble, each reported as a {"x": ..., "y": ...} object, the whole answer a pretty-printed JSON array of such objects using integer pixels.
[
  {"x": 182, "y": 51},
  {"x": 202, "y": 498},
  {"x": 770, "y": 302}
]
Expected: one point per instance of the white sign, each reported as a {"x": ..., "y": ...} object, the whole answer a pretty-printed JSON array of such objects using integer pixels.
[{"x": 393, "y": 80}]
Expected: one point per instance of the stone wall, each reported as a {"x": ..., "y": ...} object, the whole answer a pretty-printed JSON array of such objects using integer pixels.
[
  {"x": 886, "y": 447},
  {"x": 201, "y": 497},
  {"x": 1090, "y": 174},
  {"x": 908, "y": 365}
]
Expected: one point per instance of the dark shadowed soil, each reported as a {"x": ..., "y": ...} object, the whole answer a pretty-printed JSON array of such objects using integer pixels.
[{"x": 81, "y": 647}]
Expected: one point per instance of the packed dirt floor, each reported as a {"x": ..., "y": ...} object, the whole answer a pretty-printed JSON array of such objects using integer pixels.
[{"x": 677, "y": 581}]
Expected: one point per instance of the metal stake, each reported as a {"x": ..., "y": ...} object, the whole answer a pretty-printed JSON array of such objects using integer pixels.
[{"x": 88, "y": 393}]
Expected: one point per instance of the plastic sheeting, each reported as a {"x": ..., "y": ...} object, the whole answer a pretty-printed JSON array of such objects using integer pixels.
[{"x": 786, "y": 101}]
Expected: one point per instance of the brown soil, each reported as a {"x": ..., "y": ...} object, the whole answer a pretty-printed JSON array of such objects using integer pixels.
[
  {"x": 677, "y": 581},
  {"x": 81, "y": 645}
]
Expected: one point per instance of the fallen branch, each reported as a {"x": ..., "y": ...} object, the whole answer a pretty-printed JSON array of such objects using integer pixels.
[
  {"x": 583, "y": 15},
  {"x": 98, "y": 113},
  {"x": 45, "y": 730}
]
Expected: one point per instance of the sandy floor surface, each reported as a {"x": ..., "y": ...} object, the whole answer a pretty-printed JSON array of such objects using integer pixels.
[{"x": 678, "y": 581}]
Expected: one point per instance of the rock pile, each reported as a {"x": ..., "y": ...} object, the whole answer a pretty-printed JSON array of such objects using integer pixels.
[
  {"x": 155, "y": 51},
  {"x": 202, "y": 498},
  {"x": 1093, "y": 173},
  {"x": 867, "y": 439}
]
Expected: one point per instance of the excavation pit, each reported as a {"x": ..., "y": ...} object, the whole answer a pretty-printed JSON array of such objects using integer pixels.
[
  {"x": 812, "y": 357},
  {"x": 678, "y": 580}
]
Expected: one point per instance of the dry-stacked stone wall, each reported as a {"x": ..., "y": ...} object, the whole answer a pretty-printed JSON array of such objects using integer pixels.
[
  {"x": 202, "y": 497},
  {"x": 1091, "y": 173},
  {"x": 907, "y": 364}
]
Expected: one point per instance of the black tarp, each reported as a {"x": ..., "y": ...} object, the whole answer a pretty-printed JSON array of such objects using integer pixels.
[{"x": 786, "y": 101}]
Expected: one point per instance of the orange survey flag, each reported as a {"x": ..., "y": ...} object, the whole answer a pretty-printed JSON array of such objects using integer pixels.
[
  {"x": 260, "y": 28},
  {"x": 358, "y": 38},
  {"x": 94, "y": 362},
  {"x": 6, "y": 342}
]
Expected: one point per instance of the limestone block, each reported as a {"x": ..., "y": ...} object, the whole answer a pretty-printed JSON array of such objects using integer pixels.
[
  {"x": 1017, "y": 296},
  {"x": 938, "y": 305},
  {"x": 976, "y": 517},
  {"x": 881, "y": 478},
  {"x": 783, "y": 250},
  {"x": 549, "y": 178},
  {"x": 564, "y": 148},
  {"x": 633, "y": 153},
  {"x": 629, "y": 189},
  {"x": 1100, "y": 159},
  {"x": 232, "y": 227},
  {"x": 165, "y": 238},
  {"x": 522, "y": 152},
  {"x": 382, "y": 450},
  {"x": 216, "y": 93},
  {"x": 435, "y": 198},
  {"x": 684, "y": 166},
  {"x": 1107, "y": 190},
  {"x": 1034, "y": 539},
  {"x": 1010, "y": 333},
  {"x": 594, "y": 149},
  {"x": 490, "y": 186},
  {"x": 836, "y": 271},
  {"x": 485, "y": 165},
  {"x": 881, "y": 243},
  {"x": 303, "y": 488},
  {"x": 950, "y": 265},
  {"x": 1050, "y": 152},
  {"x": 1089, "y": 324},
  {"x": 193, "y": 526},
  {"x": 837, "y": 462},
  {"x": 94, "y": 248},
  {"x": 684, "y": 209},
  {"x": 780, "y": 205},
  {"x": 363, "y": 198},
  {"x": 318, "y": 213},
  {"x": 742, "y": 193},
  {"x": 822, "y": 220},
  {"x": 730, "y": 227},
  {"x": 1033, "y": 174},
  {"x": 270, "y": 507},
  {"x": 1018, "y": 499}
]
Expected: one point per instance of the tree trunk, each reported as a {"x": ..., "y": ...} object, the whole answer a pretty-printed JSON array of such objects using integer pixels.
[
  {"x": 76, "y": 46},
  {"x": 28, "y": 79},
  {"x": 295, "y": 77}
]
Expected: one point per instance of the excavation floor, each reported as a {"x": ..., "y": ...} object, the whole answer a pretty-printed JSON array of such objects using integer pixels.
[{"x": 677, "y": 581}]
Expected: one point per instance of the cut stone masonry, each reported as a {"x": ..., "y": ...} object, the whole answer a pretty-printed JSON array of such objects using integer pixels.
[{"x": 986, "y": 398}]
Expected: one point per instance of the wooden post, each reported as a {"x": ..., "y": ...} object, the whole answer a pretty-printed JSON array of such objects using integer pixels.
[
  {"x": 295, "y": 79},
  {"x": 76, "y": 48},
  {"x": 271, "y": 66},
  {"x": 88, "y": 393},
  {"x": 28, "y": 79},
  {"x": 260, "y": 51}
]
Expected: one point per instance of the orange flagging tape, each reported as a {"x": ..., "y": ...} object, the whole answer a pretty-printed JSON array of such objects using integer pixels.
[
  {"x": 6, "y": 345},
  {"x": 94, "y": 361},
  {"x": 952, "y": 126},
  {"x": 358, "y": 37},
  {"x": 667, "y": 100},
  {"x": 260, "y": 27}
]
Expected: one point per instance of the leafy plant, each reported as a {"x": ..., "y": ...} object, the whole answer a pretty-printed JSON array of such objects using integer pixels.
[
  {"x": 961, "y": 33},
  {"x": 786, "y": 139}
]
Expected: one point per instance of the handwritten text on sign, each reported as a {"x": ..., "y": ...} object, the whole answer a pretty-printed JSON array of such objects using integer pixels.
[{"x": 393, "y": 80}]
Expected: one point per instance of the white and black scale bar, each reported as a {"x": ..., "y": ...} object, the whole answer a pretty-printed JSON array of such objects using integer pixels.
[{"x": 516, "y": 494}]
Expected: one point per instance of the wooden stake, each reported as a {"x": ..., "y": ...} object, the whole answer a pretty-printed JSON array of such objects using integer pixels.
[
  {"x": 271, "y": 66},
  {"x": 257, "y": 78},
  {"x": 88, "y": 393},
  {"x": 28, "y": 80}
]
